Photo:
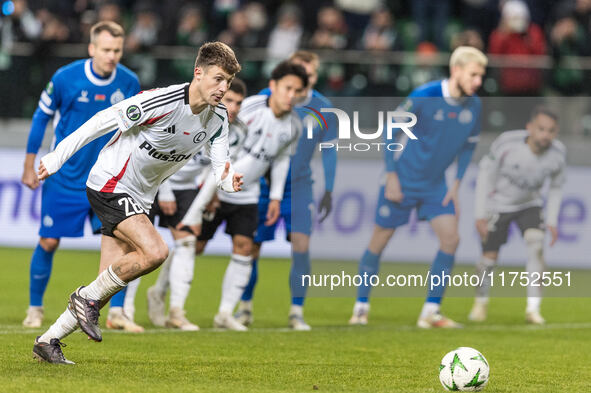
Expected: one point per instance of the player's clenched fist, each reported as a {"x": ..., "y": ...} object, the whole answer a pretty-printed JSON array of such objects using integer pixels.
[{"x": 43, "y": 172}]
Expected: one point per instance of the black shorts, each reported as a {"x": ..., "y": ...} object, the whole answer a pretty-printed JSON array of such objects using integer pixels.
[
  {"x": 183, "y": 198},
  {"x": 240, "y": 220},
  {"x": 112, "y": 208},
  {"x": 498, "y": 226}
]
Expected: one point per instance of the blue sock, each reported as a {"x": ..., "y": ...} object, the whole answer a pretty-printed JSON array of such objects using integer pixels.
[
  {"x": 370, "y": 265},
  {"x": 300, "y": 266},
  {"x": 119, "y": 298},
  {"x": 40, "y": 270},
  {"x": 443, "y": 263},
  {"x": 254, "y": 275}
]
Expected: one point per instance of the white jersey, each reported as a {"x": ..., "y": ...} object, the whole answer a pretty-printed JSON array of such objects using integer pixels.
[
  {"x": 157, "y": 134},
  {"x": 511, "y": 176},
  {"x": 269, "y": 143},
  {"x": 187, "y": 177}
]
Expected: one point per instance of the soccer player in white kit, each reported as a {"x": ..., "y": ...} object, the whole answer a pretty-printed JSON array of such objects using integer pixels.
[
  {"x": 273, "y": 131},
  {"x": 175, "y": 196},
  {"x": 508, "y": 188},
  {"x": 123, "y": 182}
]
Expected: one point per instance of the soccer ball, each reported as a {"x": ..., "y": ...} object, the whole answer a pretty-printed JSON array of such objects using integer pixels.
[{"x": 464, "y": 369}]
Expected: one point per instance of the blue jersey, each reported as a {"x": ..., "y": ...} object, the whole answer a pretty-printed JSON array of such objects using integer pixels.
[
  {"x": 446, "y": 129},
  {"x": 325, "y": 131},
  {"x": 74, "y": 94}
]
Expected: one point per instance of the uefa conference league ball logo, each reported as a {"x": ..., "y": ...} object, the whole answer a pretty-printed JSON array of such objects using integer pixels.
[
  {"x": 133, "y": 113},
  {"x": 394, "y": 120}
]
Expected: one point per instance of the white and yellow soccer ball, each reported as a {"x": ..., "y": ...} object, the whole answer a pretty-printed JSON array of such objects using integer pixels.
[{"x": 464, "y": 369}]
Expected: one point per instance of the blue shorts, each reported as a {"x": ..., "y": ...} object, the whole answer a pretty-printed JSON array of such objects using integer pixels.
[
  {"x": 428, "y": 204},
  {"x": 63, "y": 212},
  {"x": 297, "y": 207}
]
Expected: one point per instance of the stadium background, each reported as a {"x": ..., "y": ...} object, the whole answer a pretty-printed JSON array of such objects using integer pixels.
[
  {"x": 368, "y": 49},
  {"x": 37, "y": 37}
]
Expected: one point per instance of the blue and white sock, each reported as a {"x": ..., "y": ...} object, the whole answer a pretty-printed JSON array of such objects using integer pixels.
[
  {"x": 252, "y": 282},
  {"x": 442, "y": 265},
  {"x": 300, "y": 266},
  {"x": 40, "y": 271},
  {"x": 370, "y": 265},
  {"x": 118, "y": 299}
]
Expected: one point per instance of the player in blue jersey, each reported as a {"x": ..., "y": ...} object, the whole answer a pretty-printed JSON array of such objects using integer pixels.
[
  {"x": 297, "y": 205},
  {"x": 448, "y": 113},
  {"x": 75, "y": 93}
]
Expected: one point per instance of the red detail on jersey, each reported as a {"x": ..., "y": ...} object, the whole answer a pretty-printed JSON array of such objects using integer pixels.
[
  {"x": 100, "y": 97},
  {"x": 186, "y": 133},
  {"x": 143, "y": 91},
  {"x": 112, "y": 183},
  {"x": 116, "y": 139},
  {"x": 154, "y": 119},
  {"x": 452, "y": 115}
]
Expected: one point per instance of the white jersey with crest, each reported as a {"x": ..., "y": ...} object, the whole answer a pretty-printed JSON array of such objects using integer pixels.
[
  {"x": 157, "y": 134},
  {"x": 511, "y": 176},
  {"x": 269, "y": 142},
  {"x": 186, "y": 177}
]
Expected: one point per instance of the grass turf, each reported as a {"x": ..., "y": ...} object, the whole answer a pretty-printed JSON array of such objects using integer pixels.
[{"x": 388, "y": 355}]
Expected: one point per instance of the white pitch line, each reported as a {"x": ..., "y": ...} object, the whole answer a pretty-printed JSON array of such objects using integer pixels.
[{"x": 15, "y": 329}]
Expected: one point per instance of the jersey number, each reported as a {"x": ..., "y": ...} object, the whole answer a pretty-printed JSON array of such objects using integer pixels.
[{"x": 129, "y": 202}]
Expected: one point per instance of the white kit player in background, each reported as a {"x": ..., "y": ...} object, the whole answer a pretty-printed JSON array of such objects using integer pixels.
[
  {"x": 174, "y": 199},
  {"x": 273, "y": 131},
  {"x": 508, "y": 189},
  {"x": 124, "y": 181}
]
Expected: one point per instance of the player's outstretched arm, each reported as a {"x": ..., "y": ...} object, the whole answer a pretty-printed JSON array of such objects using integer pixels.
[
  {"x": 29, "y": 177},
  {"x": 100, "y": 124},
  {"x": 329, "y": 163},
  {"x": 194, "y": 216},
  {"x": 236, "y": 177}
]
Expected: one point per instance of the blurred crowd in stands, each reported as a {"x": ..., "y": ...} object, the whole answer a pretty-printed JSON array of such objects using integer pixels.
[{"x": 558, "y": 28}]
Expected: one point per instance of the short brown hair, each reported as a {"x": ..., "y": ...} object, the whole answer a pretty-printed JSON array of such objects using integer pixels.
[
  {"x": 543, "y": 110},
  {"x": 217, "y": 54},
  {"x": 238, "y": 87},
  {"x": 305, "y": 56},
  {"x": 111, "y": 27}
]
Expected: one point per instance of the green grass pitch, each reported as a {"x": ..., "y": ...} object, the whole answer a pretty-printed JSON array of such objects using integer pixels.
[{"x": 388, "y": 355}]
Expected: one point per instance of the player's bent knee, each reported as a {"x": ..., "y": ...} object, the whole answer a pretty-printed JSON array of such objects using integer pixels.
[
  {"x": 49, "y": 244},
  {"x": 242, "y": 245},
  {"x": 300, "y": 242},
  {"x": 156, "y": 255},
  {"x": 200, "y": 247},
  {"x": 450, "y": 242},
  {"x": 534, "y": 238}
]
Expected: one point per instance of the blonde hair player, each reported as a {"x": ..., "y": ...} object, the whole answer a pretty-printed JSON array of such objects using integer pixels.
[{"x": 415, "y": 177}]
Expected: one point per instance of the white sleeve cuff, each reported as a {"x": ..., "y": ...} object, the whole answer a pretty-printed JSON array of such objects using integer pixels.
[{"x": 51, "y": 162}]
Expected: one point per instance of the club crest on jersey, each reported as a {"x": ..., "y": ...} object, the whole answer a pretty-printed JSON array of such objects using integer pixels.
[
  {"x": 465, "y": 116},
  {"x": 117, "y": 97},
  {"x": 199, "y": 137},
  {"x": 133, "y": 113},
  {"x": 169, "y": 157}
]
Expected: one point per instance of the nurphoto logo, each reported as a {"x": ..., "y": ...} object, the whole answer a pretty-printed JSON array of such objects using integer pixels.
[{"x": 393, "y": 120}]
